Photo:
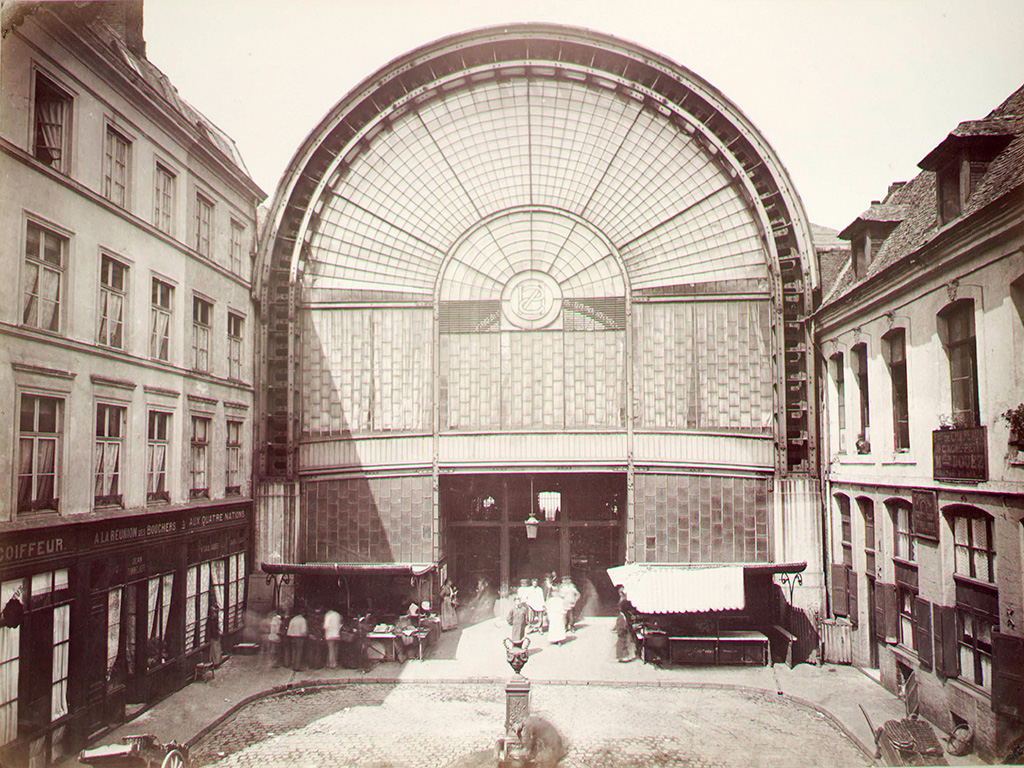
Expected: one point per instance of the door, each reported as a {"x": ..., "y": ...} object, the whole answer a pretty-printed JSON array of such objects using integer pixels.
[{"x": 872, "y": 625}]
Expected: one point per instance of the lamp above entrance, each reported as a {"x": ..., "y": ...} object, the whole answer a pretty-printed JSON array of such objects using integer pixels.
[{"x": 532, "y": 524}]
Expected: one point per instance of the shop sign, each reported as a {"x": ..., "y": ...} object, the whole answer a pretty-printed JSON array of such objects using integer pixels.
[
  {"x": 960, "y": 454},
  {"x": 926, "y": 515},
  {"x": 202, "y": 520},
  {"x": 39, "y": 546},
  {"x": 129, "y": 533}
]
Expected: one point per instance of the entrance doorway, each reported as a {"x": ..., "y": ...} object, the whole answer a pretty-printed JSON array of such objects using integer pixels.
[{"x": 500, "y": 529}]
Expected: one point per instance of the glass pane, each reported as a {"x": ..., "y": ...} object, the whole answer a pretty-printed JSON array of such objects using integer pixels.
[{"x": 48, "y": 408}]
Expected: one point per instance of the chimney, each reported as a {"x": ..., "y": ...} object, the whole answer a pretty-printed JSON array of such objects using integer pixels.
[{"x": 896, "y": 185}]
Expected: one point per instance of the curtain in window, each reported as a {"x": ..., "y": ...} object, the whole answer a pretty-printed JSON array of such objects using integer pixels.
[
  {"x": 165, "y": 608},
  {"x": 113, "y": 629},
  {"x": 61, "y": 632},
  {"x": 191, "y": 578},
  {"x": 10, "y": 642},
  {"x": 49, "y": 296},
  {"x": 157, "y": 467},
  {"x": 108, "y": 458},
  {"x": 153, "y": 598},
  {"x": 218, "y": 583},
  {"x": 50, "y": 121},
  {"x": 161, "y": 323},
  {"x": 25, "y": 474},
  {"x": 204, "y": 600},
  {"x": 45, "y": 469},
  {"x": 30, "y": 292}
]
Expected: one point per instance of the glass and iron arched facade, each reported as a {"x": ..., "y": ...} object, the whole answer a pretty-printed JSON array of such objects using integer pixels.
[{"x": 524, "y": 261}]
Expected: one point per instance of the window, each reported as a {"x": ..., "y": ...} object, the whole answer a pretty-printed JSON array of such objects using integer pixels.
[
  {"x": 233, "y": 476},
  {"x": 197, "y": 604},
  {"x": 113, "y": 286},
  {"x": 236, "y": 593},
  {"x": 159, "y": 593},
  {"x": 160, "y": 322},
  {"x": 10, "y": 642},
  {"x": 110, "y": 421},
  {"x": 204, "y": 223},
  {"x": 234, "y": 346},
  {"x": 902, "y": 520},
  {"x": 156, "y": 456},
  {"x": 45, "y": 254},
  {"x": 896, "y": 357},
  {"x": 61, "y": 655},
  {"x": 974, "y": 631},
  {"x": 847, "y": 528},
  {"x": 200, "y": 458},
  {"x": 40, "y": 436},
  {"x": 237, "y": 248},
  {"x": 202, "y": 311},
  {"x": 839, "y": 377},
  {"x": 52, "y": 133},
  {"x": 116, "y": 163},
  {"x": 163, "y": 200},
  {"x": 905, "y": 610},
  {"x": 961, "y": 348},
  {"x": 973, "y": 547},
  {"x": 860, "y": 369}
]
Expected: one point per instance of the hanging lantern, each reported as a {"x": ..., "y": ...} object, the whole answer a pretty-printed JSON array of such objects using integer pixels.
[{"x": 532, "y": 525}]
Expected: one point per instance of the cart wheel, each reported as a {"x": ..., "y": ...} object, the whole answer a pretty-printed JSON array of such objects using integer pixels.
[{"x": 174, "y": 759}]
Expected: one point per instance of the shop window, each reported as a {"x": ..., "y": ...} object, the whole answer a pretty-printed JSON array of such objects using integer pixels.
[
  {"x": 839, "y": 380},
  {"x": 10, "y": 642},
  {"x": 116, "y": 167},
  {"x": 860, "y": 370},
  {"x": 957, "y": 324},
  {"x": 52, "y": 134},
  {"x": 157, "y": 442},
  {"x": 904, "y": 543},
  {"x": 203, "y": 224},
  {"x": 163, "y": 199},
  {"x": 233, "y": 456},
  {"x": 197, "y": 603},
  {"x": 235, "y": 326},
  {"x": 160, "y": 321},
  {"x": 110, "y": 427},
  {"x": 200, "y": 458},
  {"x": 973, "y": 545},
  {"x": 896, "y": 357},
  {"x": 43, "y": 277},
  {"x": 113, "y": 630},
  {"x": 202, "y": 312},
  {"x": 237, "y": 248},
  {"x": 233, "y": 612},
  {"x": 974, "y": 631},
  {"x": 61, "y": 646},
  {"x": 40, "y": 438},
  {"x": 159, "y": 595},
  {"x": 113, "y": 289}
]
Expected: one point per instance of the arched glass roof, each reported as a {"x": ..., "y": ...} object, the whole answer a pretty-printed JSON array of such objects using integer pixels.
[{"x": 550, "y": 147}]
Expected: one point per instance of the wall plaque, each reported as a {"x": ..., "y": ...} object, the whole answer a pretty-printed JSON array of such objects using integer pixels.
[
  {"x": 926, "y": 515},
  {"x": 960, "y": 454}
]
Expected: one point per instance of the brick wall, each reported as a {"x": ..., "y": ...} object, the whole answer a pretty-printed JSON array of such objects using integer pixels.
[
  {"x": 701, "y": 519},
  {"x": 387, "y": 519}
]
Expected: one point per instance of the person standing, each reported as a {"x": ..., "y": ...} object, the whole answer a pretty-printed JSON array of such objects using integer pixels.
[
  {"x": 625, "y": 647},
  {"x": 332, "y": 636},
  {"x": 298, "y": 631},
  {"x": 570, "y": 598},
  {"x": 556, "y": 618},
  {"x": 449, "y": 599},
  {"x": 213, "y": 631},
  {"x": 273, "y": 648},
  {"x": 519, "y": 617}
]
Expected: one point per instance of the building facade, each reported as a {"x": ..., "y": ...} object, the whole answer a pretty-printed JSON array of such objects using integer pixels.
[
  {"x": 128, "y": 224},
  {"x": 922, "y": 339},
  {"x": 535, "y": 303}
]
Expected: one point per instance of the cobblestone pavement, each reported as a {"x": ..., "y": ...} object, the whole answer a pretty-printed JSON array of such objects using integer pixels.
[{"x": 605, "y": 726}]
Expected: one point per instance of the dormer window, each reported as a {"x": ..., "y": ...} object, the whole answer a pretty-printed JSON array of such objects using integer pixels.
[{"x": 947, "y": 187}]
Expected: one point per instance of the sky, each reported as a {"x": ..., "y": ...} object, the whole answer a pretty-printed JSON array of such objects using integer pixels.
[{"x": 850, "y": 93}]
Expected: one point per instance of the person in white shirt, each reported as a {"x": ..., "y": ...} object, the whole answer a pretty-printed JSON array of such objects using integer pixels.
[
  {"x": 332, "y": 634},
  {"x": 298, "y": 631}
]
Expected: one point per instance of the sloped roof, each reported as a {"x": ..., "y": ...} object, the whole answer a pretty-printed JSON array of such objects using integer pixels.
[
  {"x": 918, "y": 197},
  {"x": 658, "y": 588}
]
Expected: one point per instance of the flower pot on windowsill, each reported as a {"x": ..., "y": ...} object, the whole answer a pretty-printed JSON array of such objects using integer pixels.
[{"x": 863, "y": 446}]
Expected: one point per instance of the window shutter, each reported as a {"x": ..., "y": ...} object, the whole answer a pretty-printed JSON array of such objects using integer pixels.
[
  {"x": 947, "y": 652},
  {"x": 851, "y": 592},
  {"x": 840, "y": 593},
  {"x": 1007, "y": 674},
  {"x": 923, "y": 631},
  {"x": 889, "y": 609},
  {"x": 879, "y": 608}
]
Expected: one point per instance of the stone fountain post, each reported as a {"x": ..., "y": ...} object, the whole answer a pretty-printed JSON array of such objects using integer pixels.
[{"x": 510, "y": 751}]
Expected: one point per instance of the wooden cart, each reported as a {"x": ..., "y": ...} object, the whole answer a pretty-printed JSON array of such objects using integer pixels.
[{"x": 137, "y": 752}]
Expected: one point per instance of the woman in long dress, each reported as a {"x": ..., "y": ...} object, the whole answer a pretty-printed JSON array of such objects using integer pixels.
[
  {"x": 556, "y": 618},
  {"x": 449, "y": 618}
]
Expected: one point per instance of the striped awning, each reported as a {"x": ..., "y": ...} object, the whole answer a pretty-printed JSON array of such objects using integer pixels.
[{"x": 657, "y": 588}]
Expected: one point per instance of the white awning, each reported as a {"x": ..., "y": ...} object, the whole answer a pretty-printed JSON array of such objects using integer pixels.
[{"x": 662, "y": 588}]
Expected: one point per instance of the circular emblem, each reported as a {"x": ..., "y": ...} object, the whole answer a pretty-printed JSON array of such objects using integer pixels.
[{"x": 531, "y": 300}]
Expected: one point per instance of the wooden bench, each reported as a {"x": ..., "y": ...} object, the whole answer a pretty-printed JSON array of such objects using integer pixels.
[{"x": 789, "y": 639}]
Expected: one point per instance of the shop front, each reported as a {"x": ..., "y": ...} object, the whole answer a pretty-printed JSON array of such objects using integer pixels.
[{"x": 101, "y": 618}]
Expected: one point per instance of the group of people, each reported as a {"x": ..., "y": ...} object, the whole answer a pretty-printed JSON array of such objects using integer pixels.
[
  {"x": 549, "y": 606},
  {"x": 293, "y": 640}
]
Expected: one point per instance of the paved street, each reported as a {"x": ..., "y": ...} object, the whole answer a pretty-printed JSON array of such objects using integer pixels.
[{"x": 429, "y": 724}]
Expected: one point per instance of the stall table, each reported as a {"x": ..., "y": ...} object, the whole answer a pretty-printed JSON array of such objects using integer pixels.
[{"x": 727, "y": 647}]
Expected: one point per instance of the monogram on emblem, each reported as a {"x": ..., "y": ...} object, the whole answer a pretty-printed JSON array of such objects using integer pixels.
[{"x": 531, "y": 300}]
